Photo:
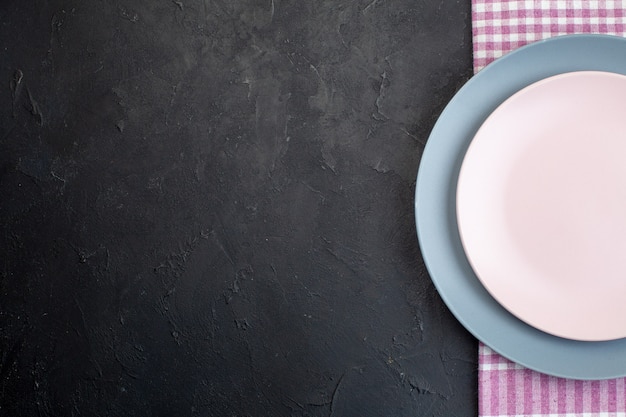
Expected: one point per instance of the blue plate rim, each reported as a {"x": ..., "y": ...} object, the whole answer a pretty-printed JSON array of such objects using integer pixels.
[{"x": 435, "y": 218}]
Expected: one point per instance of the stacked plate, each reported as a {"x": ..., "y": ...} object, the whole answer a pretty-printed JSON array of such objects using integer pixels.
[{"x": 521, "y": 206}]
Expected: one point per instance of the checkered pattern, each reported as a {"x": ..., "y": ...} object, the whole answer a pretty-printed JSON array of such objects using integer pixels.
[
  {"x": 508, "y": 389},
  {"x": 500, "y": 26}
]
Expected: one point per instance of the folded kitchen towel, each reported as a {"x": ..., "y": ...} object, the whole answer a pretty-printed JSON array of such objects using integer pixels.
[{"x": 506, "y": 388}]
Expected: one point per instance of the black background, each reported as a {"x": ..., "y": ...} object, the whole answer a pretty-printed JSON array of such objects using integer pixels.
[{"x": 207, "y": 208}]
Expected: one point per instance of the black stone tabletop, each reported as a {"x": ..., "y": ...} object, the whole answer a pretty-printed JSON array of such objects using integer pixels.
[{"x": 207, "y": 208}]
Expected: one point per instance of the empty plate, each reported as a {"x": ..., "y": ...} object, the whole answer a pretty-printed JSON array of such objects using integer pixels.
[
  {"x": 541, "y": 205},
  {"x": 436, "y": 214}
]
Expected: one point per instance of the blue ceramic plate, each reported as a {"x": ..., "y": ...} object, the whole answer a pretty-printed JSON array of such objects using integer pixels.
[{"x": 435, "y": 208}]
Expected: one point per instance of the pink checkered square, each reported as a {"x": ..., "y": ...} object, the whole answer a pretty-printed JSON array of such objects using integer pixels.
[
  {"x": 506, "y": 389},
  {"x": 500, "y": 26}
]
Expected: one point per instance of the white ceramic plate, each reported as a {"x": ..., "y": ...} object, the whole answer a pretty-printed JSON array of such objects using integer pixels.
[{"x": 541, "y": 205}]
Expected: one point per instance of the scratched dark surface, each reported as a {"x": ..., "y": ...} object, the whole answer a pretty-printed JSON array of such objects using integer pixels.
[{"x": 207, "y": 208}]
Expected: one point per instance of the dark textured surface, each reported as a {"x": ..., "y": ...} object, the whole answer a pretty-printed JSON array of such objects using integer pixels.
[{"x": 206, "y": 208}]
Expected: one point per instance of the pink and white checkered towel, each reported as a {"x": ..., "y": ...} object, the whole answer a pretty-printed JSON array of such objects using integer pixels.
[
  {"x": 500, "y": 26},
  {"x": 505, "y": 388},
  {"x": 508, "y": 389}
]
